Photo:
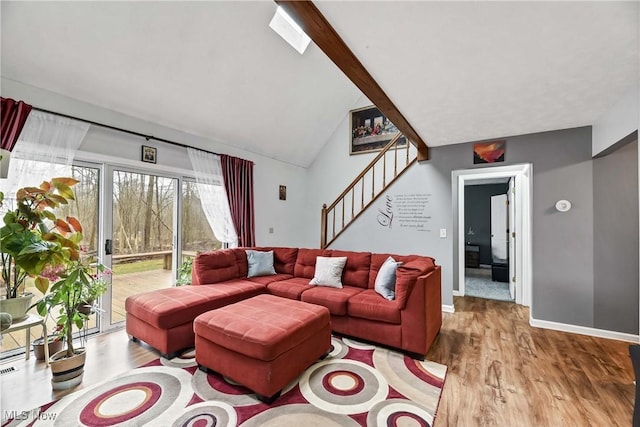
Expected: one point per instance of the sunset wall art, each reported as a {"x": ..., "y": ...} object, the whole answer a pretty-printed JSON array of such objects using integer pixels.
[{"x": 488, "y": 152}]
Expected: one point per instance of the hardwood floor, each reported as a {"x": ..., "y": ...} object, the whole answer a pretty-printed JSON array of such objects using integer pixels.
[{"x": 502, "y": 371}]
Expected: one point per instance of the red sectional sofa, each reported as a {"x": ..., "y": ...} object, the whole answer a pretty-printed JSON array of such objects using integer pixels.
[{"x": 164, "y": 318}]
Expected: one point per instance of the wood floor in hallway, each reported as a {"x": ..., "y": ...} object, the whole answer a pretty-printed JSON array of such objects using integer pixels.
[{"x": 502, "y": 372}]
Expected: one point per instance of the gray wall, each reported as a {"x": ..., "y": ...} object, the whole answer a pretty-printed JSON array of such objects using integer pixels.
[
  {"x": 563, "y": 287},
  {"x": 615, "y": 232},
  {"x": 477, "y": 216}
]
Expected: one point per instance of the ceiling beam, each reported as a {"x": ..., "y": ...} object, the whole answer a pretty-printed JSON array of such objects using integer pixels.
[{"x": 311, "y": 20}]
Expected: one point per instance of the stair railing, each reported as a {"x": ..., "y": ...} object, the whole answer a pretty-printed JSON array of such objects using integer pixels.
[{"x": 391, "y": 162}]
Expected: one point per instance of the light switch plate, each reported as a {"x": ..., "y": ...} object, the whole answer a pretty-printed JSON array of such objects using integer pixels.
[{"x": 443, "y": 233}]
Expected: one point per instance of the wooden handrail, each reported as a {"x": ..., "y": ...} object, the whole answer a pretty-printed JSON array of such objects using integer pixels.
[
  {"x": 325, "y": 238},
  {"x": 364, "y": 172}
]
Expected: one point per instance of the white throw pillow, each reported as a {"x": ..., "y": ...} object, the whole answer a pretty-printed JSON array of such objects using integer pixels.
[
  {"x": 329, "y": 271},
  {"x": 260, "y": 263},
  {"x": 386, "y": 279}
]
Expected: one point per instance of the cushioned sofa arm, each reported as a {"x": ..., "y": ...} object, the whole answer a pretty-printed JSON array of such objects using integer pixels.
[{"x": 406, "y": 277}]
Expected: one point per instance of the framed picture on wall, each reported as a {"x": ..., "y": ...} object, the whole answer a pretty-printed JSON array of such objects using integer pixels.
[
  {"x": 488, "y": 152},
  {"x": 149, "y": 154},
  {"x": 370, "y": 130}
]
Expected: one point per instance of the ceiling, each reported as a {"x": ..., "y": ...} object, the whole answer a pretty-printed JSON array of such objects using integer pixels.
[{"x": 458, "y": 71}]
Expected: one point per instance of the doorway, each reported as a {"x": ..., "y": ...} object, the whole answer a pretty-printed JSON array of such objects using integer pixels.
[
  {"x": 510, "y": 258},
  {"x": 488, "y": 219}
]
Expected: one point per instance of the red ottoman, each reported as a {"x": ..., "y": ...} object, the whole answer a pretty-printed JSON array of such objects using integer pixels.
[{"x": 263, "y": 342}]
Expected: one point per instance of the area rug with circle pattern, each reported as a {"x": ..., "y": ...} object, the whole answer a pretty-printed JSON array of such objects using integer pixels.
[{"x": 356, "y": 385}]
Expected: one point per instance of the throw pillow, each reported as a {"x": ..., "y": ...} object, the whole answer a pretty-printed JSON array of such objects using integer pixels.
[
  {"x": 385, "y": 283},
  {"x": 329, "y": 271},
  {"x": 260, "y": 263}
]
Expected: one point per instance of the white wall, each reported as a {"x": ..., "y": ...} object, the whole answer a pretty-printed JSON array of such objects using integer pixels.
[
  {"x": 285, "y": 217},
  {"x": 618, "y": 122},
  {"x": 330, "y": 173}
]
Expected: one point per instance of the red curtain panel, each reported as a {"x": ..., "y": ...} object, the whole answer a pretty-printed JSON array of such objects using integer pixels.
[
  {"x": 238, "y": 182},
  {"x": 14, "y": 116}
]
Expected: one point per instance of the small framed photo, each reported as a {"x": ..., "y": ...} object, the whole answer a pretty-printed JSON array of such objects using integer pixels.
[
  {"x": 283, "y": 192},
  {"x": 149, "y": 154}
]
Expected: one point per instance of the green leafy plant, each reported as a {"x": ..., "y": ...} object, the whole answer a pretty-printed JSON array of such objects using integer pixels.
[
  {"x": 34, "y": 238},
  {"x": 78, "y": 283},
  {"x": 184, "y": 272}
]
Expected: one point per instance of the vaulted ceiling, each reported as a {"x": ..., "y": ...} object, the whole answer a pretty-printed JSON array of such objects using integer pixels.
[{"x": 458, "y": 71}]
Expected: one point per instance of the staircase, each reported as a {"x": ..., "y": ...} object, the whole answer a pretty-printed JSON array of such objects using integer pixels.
[{"x": 384, "y": 169}]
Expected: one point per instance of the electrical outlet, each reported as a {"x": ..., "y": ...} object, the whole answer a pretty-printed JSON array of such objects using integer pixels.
[{"x": 443, "y": 233}]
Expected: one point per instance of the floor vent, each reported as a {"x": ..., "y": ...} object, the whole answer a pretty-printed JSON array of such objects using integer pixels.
[{"x": 8, "y": 370}]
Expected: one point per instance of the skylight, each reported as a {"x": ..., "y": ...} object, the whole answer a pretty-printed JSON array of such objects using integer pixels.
[{"x": 291, "y": 32}]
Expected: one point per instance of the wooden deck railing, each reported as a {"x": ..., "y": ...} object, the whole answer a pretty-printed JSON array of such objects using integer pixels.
[
  {"x": 391, "y": 162},
  {"x": 167, "y": 255}
]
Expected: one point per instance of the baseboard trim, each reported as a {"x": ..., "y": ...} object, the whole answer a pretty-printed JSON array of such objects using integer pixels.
[
  {"x": 584, "y": 330},
  {"x": 456, "y": 293},
  {"x": 448, "y": 308}
]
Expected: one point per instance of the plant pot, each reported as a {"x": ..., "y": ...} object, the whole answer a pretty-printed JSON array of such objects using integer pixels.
[
  {"x": 16, "y": 307},
  {"x": 5, "y": 321},
  {"x": 38, "y": 347},
  {"x": 85, "y": 307},
  {"x": 67, "y": 371}
]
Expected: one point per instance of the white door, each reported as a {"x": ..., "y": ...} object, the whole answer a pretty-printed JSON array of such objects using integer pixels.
[
  {"x": 499, "y": 227},
  {"x": 511, "y": 197}
]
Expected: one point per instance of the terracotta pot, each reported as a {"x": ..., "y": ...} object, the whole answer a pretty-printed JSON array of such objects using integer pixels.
[
  {"x": 38, "y": 347},
  {"x": 67, "y": 371},
  {"x": 85, "y": 307},
  {"x": 16, "y": 307}
]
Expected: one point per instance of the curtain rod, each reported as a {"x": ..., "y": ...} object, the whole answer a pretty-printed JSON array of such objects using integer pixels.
[{"x": 147, "y": 137}]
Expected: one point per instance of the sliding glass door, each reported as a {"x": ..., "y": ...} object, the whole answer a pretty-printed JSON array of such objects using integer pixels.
[
  {"x": 143, "y": 235},
  {"x": 85, "y": 208}
]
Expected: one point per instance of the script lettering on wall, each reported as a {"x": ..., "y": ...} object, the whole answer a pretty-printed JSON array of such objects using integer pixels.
[{"x": 406, "y": 211}]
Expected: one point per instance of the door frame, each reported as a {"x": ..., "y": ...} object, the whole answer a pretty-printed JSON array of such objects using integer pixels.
[{"x": 523, "y": 176}]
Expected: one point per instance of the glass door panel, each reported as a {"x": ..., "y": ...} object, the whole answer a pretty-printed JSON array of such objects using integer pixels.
[
  {"x": 143, "y": 235},
  {"x": 197, "y": 235},
  {"x": 85, "y": 208}
]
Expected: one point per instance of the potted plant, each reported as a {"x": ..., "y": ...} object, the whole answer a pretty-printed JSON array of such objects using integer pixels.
[
  {"x": 65, "y": 300},
  {"x": 34, "y": 238}
]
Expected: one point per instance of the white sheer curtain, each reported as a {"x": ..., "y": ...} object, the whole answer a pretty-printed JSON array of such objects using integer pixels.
[
  {"x": 45, "y": 149},
  {"x": 213, "y": 196}
]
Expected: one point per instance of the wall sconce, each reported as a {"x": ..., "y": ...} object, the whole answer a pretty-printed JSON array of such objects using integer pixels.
[{"x": 563, "y": 205}]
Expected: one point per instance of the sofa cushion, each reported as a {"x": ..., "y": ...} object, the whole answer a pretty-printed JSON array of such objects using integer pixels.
[
  {"x": 289, "y": 288},
  {"x": 335, "y": 299},
  {"x": 356, "y": 271},
  {"x": 265, "y": 280},
  {"x": 306, "y": 261},
  {"x": 369, "y": 305},
  {"x": 263, "y": 327},
  {"x": 378, "y": 259},
  {"x": 329, "y": 271},
  {"x": 260, "y": 263},
  {"x": 385, "y": 284},
  {"x": 167, "y": 308},
  {"x": 215, "y": 266},
  {"x": 284, "y": 259}
]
